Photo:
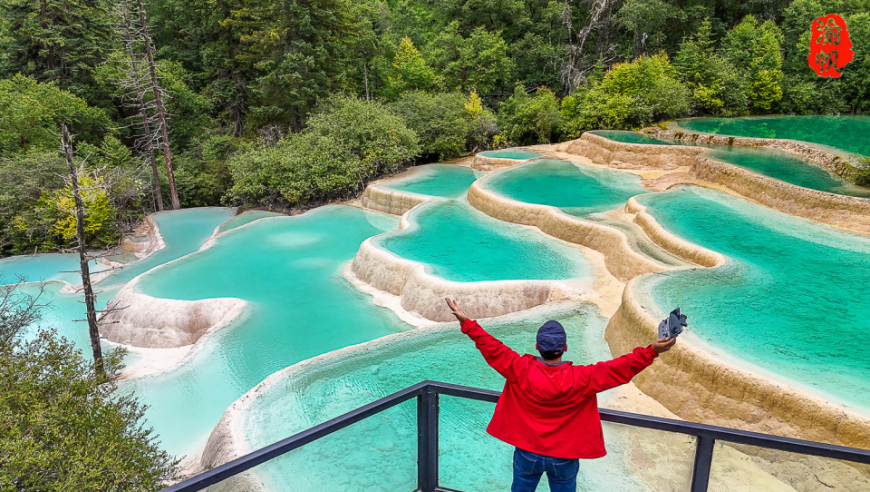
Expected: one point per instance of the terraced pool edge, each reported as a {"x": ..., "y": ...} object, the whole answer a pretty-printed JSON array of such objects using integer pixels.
[
  {"x": 829, "y": 158},
  {"x": 622, "y": 261},
  {"x": 698, "y": 386},
  {"x": 841, "y": 211},
  {"x": 423, "y": 293}
]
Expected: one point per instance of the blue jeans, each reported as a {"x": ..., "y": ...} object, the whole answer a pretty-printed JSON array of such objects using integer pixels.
[{"x": 528, "y": 468}]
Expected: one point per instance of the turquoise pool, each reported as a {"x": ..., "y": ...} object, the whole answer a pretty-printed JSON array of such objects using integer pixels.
[
  {"x": 44, "y": 267},
  {"x": 630, "y": 137},
  {"x": 379, "y": 454},
  {"x": 518, "y": 154},
  {"x": 300, "y": 306},
  {"x": 246, "y": 218},
  {"x": 792, "y": 298},
  {"x": 459, "y": 243},
  {"x": 773, "y": 163},
  {"x": 848, "y": 133},
  {"x": 183, "y": 231},
  {"x": 443, "y": 180},
  {"x": 577, "y": 189},
  {"x": 785, "y": 167}
]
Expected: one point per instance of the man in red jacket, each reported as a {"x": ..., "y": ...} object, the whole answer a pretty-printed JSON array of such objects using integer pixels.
[{"x": 548, "y": 408}]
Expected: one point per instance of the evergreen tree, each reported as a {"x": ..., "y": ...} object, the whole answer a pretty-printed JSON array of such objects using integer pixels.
[{"x": 55, "y": 40}]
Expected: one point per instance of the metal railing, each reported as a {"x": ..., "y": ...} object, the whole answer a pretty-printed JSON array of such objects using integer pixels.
[{"x": 427, "y": 393}]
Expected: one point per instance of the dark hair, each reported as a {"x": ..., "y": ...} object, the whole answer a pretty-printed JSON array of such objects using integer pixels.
[{"x": 550, "y": 354}]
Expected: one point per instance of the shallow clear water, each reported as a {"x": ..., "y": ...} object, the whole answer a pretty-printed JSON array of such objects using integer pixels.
[
  {"x": 459, "y": 243},
  {"x": 630, "y": 137},
  {"x": 246, "y": 218},
  {"x": 65, "y": 313},
  {"x": 792, "y": 299},
  {"x": 379, "y": 454},
  {"x": 444, "y": 180},
  {"x": 773, "y": 163},
  {"x": 843, "y": 132},
  {"x": 44, "y": 267},
  {"x": 183, "y": 231},
  {"x": 577, "y": 189},
  {"x": 518, "y": 154},
  {"x": 786, "y": 167},
  {"x": 300, "y": 306}
]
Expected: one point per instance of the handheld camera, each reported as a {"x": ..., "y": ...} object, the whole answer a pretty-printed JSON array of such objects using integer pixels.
[{"x": 672, "y": 325}]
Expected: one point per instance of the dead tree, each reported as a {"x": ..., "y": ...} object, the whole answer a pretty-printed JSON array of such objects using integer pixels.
[
  {"x": 142, "y": 81},
  {"x": 90, "y": 297},
  {"x": 579, "y": 62},
  {"x": 161, "y": 111},
  {"x": 137, "y": 84}
]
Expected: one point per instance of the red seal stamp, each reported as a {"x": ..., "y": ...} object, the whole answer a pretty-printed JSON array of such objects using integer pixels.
[{"x": 830, "y": 46}]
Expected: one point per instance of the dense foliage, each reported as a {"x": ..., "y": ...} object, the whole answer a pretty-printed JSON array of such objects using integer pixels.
[
  {"x": 62, "y": 428},
  {"x": 348, "y": 141},
  {"x": 249, "y": 82}
]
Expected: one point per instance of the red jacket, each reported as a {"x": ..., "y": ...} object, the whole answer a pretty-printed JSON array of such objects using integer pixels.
[{"x": 552, "y": 410}]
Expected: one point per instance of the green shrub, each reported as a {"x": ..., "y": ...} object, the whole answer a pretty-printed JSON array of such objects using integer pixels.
[
  {"x": 61, "y": 427},
  {"x": 32, "y": 113},
  {"x": 630, "y": 95},
  {"x": 530, "y": 119},
  {"x": 444, "y": 125},
  {"x": 347, "y": 143}
]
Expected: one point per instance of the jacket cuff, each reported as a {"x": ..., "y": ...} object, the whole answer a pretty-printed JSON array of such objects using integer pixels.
[
  {"x": 650, "y": 353},
  {"x": 467, "y": 325}
]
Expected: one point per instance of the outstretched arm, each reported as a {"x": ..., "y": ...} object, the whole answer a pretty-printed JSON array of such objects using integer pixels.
[
  {"x": 498, "y": 355},
  {"x": 609, "y": 374}
]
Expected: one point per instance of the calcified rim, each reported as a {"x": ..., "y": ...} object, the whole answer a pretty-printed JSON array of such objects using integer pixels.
[
  {"x": 406, "y": 278},
  {"x": 788, "y": 404},
  {"x": 485, "y": 163},
  {"x": 621, "y": 260},
  {"x": 839, "y": 211},
  {"x": 153, "y": 355},
  {"x": 379, "y": 196},
  {"x": 775, "y": 143}
]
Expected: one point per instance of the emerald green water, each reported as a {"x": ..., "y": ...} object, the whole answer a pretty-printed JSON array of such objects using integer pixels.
[
  {"x": 785, "y": 167},
  {"x": 300, "y": 306},
  {"x": 246, "y": 218},
  {"x": 773, "y": 163},
  {"x": 379, "y": 453},
  {"x": 518, "y": 154},
  {"x": 183, "y": 231},
  {"x": 459, "y": 243},
  {"x": 577, "y": 189},
  {"x": 437, "y": 180},
  {"x": 44, "y": 267},
  {"x": 630, "y": 137},
  {"x": 848, "y": 133},
  {"x": 792, "y": 298}
]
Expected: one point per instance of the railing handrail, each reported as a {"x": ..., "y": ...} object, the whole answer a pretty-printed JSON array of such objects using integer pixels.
[{"x": 429, "y": 391}]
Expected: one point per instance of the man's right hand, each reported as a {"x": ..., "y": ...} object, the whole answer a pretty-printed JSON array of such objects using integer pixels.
[
  {"x": 663, "y": 344},
  {"x": 456, "y": 311}
]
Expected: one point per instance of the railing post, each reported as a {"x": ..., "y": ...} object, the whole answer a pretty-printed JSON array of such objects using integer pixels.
[
  {"x": 703, "y": 461},
  {"x": 427, "y": 440}
]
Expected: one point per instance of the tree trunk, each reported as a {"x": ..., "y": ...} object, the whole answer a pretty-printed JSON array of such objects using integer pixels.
[
  {"x": 366, "y": 75},
  {"x": 158, "y": 101},
  {"x": 90, "y": 298},
  {"x": 146, "y": 127}
]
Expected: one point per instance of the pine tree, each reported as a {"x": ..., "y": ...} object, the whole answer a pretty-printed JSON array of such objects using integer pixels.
[{"x": 57, "y": 40}]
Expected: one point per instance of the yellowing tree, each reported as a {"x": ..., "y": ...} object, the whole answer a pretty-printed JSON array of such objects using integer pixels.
[
  {"x": 410, "y": 71},
  {"x": 99, "y": 211},
  {"x": 473, "y": 105}
]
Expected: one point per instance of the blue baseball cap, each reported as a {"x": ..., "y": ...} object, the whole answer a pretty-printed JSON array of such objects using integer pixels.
[{"x": 551, "y": 337}]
